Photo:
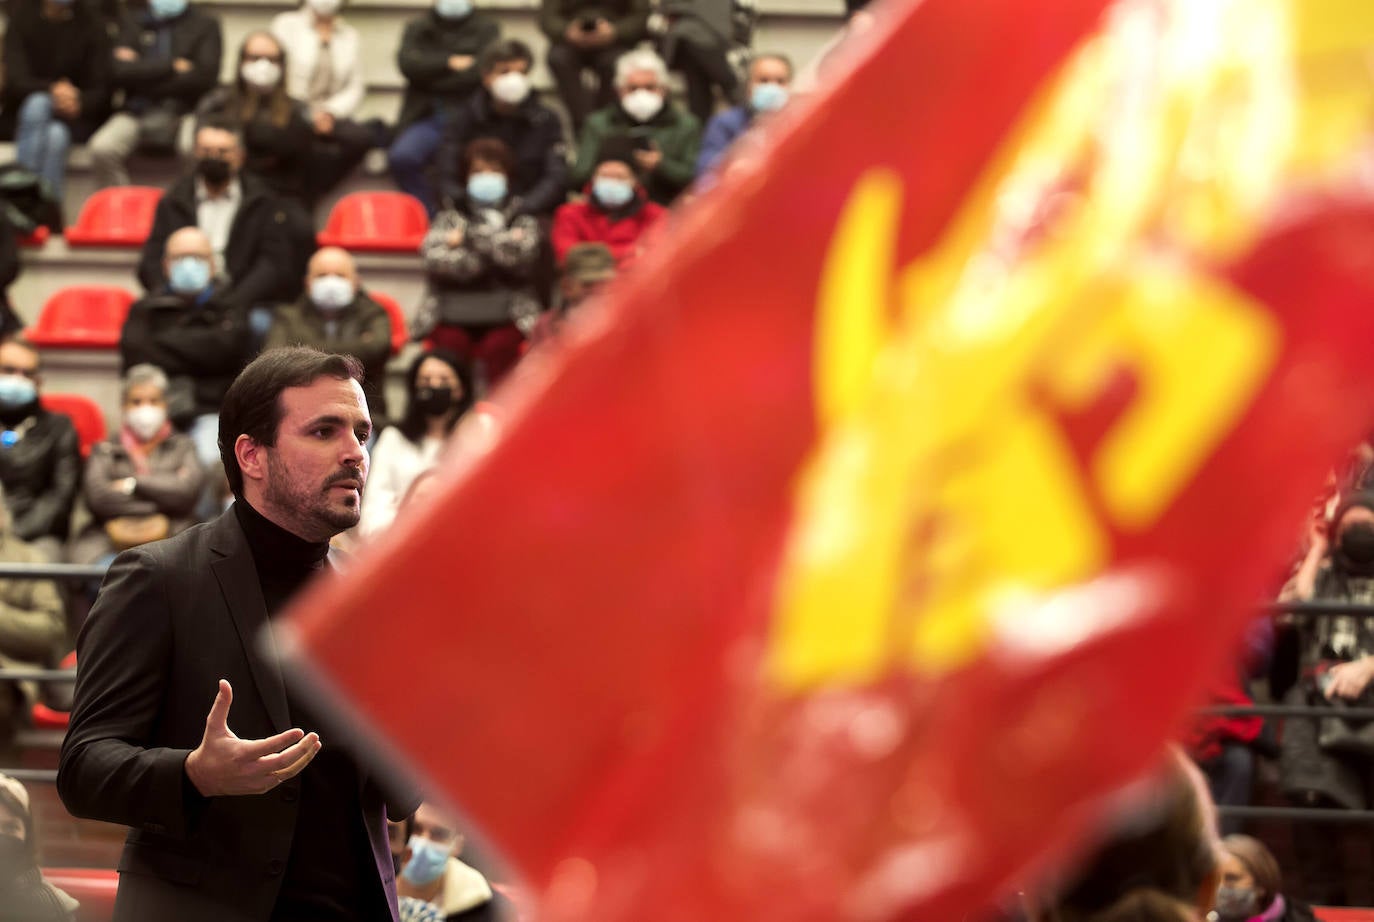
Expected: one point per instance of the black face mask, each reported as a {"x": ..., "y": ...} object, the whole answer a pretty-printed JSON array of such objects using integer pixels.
[
  {"x": 434, "y": 401},
  {"x": 1355, "y": 554},
  {"x": 213, "y": 170}
]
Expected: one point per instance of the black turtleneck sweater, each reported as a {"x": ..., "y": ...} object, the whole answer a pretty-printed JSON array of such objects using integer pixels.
[{"x": 331, "y": 875}]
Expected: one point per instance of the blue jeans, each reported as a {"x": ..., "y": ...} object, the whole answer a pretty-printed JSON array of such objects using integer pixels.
[
  {"x": 42, "y": 140},
  {"x": 410, "y": 156}
]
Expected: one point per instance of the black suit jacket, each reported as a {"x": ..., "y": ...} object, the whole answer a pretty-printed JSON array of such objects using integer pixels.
[
  {"x": 257, "y": 258},
  {"x": 172, "y": 618}
]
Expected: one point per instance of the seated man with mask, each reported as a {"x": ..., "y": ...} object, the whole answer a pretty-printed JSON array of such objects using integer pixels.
[
  {"x": 192, "y": 331},
  {"x": 336, "y": 315},
  {"x": 432, "y": 874},
  {"x": 40, "y": 456},
  {"x": 242, "y": 219}
]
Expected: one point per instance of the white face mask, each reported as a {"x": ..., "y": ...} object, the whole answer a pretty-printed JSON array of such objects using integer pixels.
[
  {"x": 261, "y": 74},
  {"x": 145, "y": 420},
  {"x": 331, "y": 292},
  {"x": 511, "y": 88},
  {"x": 642, "y": 105},
  {"x": 324, "y": 8}
]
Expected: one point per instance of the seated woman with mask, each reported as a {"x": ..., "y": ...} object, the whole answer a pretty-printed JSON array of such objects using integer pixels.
[
  {"x": 481, "y": 259},
  {"x": 143, "y": 483},
  {"x": 1250, "y": 884},
  {"x": 438, "y": 392}
]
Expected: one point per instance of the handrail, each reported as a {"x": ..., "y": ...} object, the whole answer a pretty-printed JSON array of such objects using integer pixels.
[
  {"x": 24, "y": 674},
  {"x": 75, "y": 572},
  {"x": 1320, "y": 608}
]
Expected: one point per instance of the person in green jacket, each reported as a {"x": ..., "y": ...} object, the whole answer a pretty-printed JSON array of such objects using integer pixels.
[
  {"x": 666, "y": 138},
  {"x": 336, "y": 315}
]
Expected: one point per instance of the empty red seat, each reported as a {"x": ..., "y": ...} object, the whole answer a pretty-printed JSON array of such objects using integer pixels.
[
  {"x": 120, "y": 216},
  {"x": 45, "y": 718},
  {"x": 379, "y": 221},
  {"x": 82, "y": 317},
  {"x": 398, "y": 319},
  {"x": 39, "y": 237},
  {"x": 93, "y": 888},
  {"x": 85, "y": 416}
]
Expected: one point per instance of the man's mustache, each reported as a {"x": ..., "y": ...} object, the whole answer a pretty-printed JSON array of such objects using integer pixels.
[{"x": 353, "y": 477}]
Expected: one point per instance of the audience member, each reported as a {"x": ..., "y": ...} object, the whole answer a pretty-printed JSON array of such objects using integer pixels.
[
  {"x": 33, "y": 626},
  {"x": 326, "y": 73},
  {"x": 616, "y": 210},
  {"x": 276, "y": 136},
  {"x": 27, "y": 896},
  {"x": 587, "y": 267},
  {"x": 191, "y": 330},
  {"x": 143, "y": 483},
  {"x": 480, "y": 260},
  {"x": 243, "y": 221},
  {"x": 438, "y": 58},
  {"x": 1156, "y": 861},
  {"x": 770, "y": 79},
  {"x": 1324, "y": 762},
  {"x": 438, "y": 392},
  {"x": 666, "y": 138},
  {"x": 505, "y": 108},
  {"x": 40, "y": 456},
  {"x": 166, "y": 57},
  {"x": 433, "y": 873},
  {"x": 336, "y": 315},
  {"x": 57, "y": 78},
  {"x": 698, "y": 41},
  {"x": 1251, "y": 884},
  {"x": 590, "y": 36}
]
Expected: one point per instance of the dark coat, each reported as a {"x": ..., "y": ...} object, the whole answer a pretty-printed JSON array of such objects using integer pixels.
[
  {"x": 630, "y": 17},
  {"x": 278, "y": 154},
  {"x": 426, "y": 46},
  {"x": 193, "y": 35},
  {"x": 39, "y": 51},
  {"x": 362, "y": 330},
  {"x": 200, "y": 348},
  {"x": 258, "y": 257},
  {"x": 535, "y": 136},
  {"x": 42, "y": 473},
  {"x": 172, "y": 618}
]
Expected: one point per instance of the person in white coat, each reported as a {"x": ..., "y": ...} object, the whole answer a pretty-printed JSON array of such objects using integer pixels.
[
  {"x": 327, "y": 74},
  {"x": 438, "y": 392}
]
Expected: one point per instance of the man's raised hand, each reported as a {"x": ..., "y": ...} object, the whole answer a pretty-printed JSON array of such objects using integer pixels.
[{"x": 223, "y": 764}]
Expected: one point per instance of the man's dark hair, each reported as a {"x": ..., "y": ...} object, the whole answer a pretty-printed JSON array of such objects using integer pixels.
[
  {"x": 412, "y": 425},
  {"x": 252, "y": 406},
  {"x": 219, "y": 123},
  {"x": 508, "y": 49}
]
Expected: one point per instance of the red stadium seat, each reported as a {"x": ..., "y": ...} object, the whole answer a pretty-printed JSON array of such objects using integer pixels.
[
  {"x": 389, "y": 222},
  {"x": 398, "y": 319},
  {"x": 43, "y": 717},
  {"x": 82, "y": 317},
  {"x": 37, "y": 238},
  {"x": 85, "y": 416},
  {"x": 120, "y": 216},
  {"x": 93, "y": 888}
]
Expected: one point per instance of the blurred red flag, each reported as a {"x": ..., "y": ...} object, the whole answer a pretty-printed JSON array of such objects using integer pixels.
[{"x": 898, "y": 505}]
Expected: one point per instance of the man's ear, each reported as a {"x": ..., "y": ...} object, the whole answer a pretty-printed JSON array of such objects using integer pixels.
[{"x": 252, "y": 457}]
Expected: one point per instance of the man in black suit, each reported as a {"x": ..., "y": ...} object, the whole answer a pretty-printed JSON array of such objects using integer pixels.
[
  {"x": 264, "y": 821},
  {"x": 245, "y": 223}
]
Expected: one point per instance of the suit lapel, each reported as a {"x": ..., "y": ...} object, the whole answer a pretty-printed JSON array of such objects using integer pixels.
[{"x": 238, "y": 583}]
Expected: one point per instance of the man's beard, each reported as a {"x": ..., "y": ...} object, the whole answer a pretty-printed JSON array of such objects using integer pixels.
[{"x": 312, "y": 508}]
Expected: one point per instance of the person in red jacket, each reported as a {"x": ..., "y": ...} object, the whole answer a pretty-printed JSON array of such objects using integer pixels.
[{"x": 616, "y": 210}]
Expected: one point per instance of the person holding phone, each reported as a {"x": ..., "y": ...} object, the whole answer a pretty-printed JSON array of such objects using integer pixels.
[
  {"x": 666, "y": 139},
  {"x": 583, "y": 36}
]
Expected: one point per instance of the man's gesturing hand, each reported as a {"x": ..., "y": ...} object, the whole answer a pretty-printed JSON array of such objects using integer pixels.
[{"x": 224, "y": 764}]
